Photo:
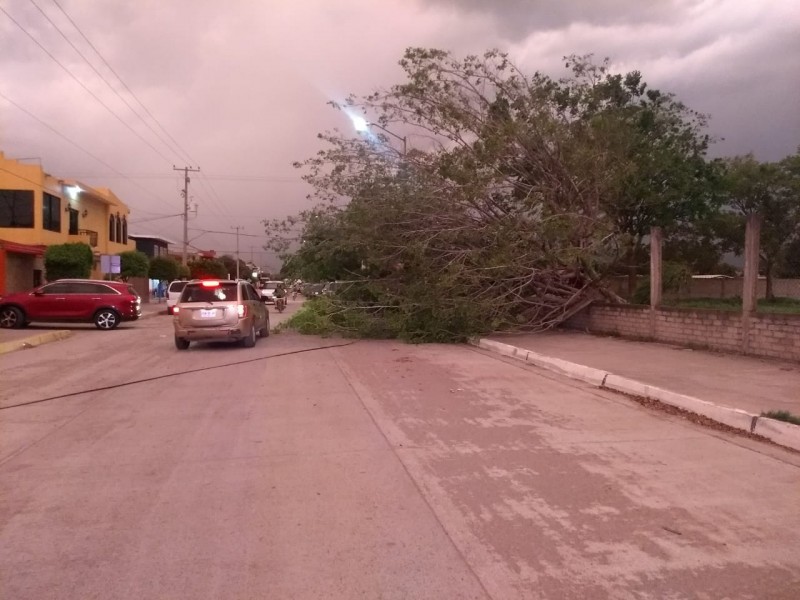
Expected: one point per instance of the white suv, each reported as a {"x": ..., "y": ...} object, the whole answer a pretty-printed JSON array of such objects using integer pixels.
[
  {"x": 268, "y": 291},
  {"x": 173, "y": 294}
]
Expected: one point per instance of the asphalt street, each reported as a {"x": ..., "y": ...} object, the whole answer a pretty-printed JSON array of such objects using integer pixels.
[{"x": 326, "y": 468}]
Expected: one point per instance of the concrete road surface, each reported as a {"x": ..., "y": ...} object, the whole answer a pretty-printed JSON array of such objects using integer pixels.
[{"x": 371, "y": 470}]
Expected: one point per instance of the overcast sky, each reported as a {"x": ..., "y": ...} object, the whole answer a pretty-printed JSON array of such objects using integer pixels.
[{"x": 241, "y": 85}]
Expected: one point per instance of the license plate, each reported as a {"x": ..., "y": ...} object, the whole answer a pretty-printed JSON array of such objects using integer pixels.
[{"x": 208, "y": 314}]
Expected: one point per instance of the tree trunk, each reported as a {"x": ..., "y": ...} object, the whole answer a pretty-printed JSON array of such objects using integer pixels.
[{"x": 770, "y": 293}]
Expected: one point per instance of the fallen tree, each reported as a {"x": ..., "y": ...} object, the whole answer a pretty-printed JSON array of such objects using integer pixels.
[{"x": 500, "y": 214}]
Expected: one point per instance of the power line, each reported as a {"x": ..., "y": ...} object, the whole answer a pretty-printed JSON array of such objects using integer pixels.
[
  {"x": 134, "y": 96},
  {"x": 78, "y": 146},
  {"x": 83, "y": 85},
  {"x": 227, "y": 232},
  {"x": 101, "y": 76}
]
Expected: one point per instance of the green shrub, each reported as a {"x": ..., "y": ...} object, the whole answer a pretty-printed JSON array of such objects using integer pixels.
[
  {"x": 133, "y": 264},
  {"x": 62, "y": 261},
  {"x": 782, "y": 415}
]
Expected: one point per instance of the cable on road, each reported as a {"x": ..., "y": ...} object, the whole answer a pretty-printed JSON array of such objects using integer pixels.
[{"x": 173, "y": 374}]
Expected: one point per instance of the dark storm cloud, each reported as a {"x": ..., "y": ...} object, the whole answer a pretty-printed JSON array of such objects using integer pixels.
[
  {"x": 517, "y": 19},
  {"x": 243, "y": 85}
]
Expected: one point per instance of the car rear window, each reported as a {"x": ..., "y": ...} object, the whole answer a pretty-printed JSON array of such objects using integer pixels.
[
  {"x": 177, "y": 286},
  {"x": 197, "y": 292}
]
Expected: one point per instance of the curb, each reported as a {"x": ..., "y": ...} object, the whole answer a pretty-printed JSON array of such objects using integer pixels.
[
  {"x": 36, "y": 340},
  {"x": 785, "y": 434}
]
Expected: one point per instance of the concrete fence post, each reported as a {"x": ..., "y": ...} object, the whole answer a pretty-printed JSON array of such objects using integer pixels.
[
  {"x": 752, "y": 236},
  {"x": 656, "y": 287}
]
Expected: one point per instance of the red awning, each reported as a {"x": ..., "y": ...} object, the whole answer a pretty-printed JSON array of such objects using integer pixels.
[{"x": 38, "y": 250}]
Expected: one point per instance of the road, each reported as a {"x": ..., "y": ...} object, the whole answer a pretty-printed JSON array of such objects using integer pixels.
[{"x": 322, "y": 468}]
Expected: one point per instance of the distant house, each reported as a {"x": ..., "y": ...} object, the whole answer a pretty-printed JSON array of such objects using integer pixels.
[{"x": 152, "y": 245}]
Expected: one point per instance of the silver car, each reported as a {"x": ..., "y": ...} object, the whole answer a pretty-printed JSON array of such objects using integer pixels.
[{"x": 219, "y": 310}]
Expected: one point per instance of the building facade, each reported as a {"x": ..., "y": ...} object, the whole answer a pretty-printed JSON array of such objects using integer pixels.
[{"x": 39, "y": 210}]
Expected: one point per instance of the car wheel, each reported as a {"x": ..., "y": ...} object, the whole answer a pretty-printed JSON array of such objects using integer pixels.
[
  {"x": 106, "y": 318},
  {"x": 11, "y": 318},
  {"x": 181, "y": 343},
  {"x": 250, "y": 340}
]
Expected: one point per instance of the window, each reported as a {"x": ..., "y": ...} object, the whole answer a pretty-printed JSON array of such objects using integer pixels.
[
  {"x": 16, "y": 208},
  {"x": 73, "y": 221},
  {"x": 92, "y": 288},
  {"x": 51, "y": 212},
  {"x": 112, "y": 230},
  {"x": 57, "y": 289},
  {"x": 225, "y": 291},
  {"x": 119, "y": 230},
  {"x": 124, "y": 230}
]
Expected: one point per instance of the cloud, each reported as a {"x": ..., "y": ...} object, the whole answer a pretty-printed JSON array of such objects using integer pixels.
[{"x": 242, "y": 85}]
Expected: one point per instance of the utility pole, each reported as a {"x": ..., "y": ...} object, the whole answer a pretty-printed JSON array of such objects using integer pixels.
[
  {"x": 185, "y": 193},
  {"x": 237, "y": 228}
]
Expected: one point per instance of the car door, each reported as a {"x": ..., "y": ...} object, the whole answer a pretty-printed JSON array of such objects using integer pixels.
[
  {"x": 87, "y": 297},
  {"x": 49, "y": 302}
]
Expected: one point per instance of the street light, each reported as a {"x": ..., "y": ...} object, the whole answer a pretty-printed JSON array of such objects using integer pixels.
[{"x": 361, "y": 125}]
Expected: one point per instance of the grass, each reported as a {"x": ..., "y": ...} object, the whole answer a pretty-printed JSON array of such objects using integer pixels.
[
  {"x": 778, "y": 305},
  {"x": 782, "y": 415}
]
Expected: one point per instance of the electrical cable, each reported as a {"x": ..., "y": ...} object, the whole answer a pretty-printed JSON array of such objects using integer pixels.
[
  {"x": 134, "y": 96},
  {"x": 78, "y": 146},
  {"x": 83, "y": 85},
  {"x": 174, "y": 374},
  {"x": 103, "y": 78}
]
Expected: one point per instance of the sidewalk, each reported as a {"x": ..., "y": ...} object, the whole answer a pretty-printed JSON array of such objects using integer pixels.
[
  {"x": 41, "y": 333},
  {"x": 730, "y": 389}
]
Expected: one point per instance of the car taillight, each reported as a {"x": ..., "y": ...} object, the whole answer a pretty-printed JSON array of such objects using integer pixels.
[
  {"x": 242, "y": 310},
  {"x": 175, "y": 310}
]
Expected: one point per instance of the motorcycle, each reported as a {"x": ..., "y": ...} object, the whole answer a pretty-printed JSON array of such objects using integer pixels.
[{"x": 280, "y": 304}]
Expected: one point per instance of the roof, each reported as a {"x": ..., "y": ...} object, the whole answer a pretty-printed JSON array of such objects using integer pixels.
[{"x": 158, "y": 238}]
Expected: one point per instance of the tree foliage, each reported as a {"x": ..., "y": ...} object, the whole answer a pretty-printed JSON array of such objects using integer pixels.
[
  {"x": 206, "y": 267},
  {"x": 772, "y": 191},
  {"x": 72, "y": 260},
  {"x": 519, "y": 193},
  {"x": 164, "y": 268},
  {"x": 133, "y": 264},
  {"x": 230, "y": 267}
]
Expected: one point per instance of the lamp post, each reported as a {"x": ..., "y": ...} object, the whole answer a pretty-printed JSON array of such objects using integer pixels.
[{"x": 362, "y": 125}]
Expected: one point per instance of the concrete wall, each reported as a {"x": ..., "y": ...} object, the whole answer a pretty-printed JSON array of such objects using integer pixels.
[{"x": 768, "y": 335}]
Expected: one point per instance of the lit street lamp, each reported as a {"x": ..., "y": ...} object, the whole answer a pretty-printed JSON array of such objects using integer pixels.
[{"x": 362, "y": 126}]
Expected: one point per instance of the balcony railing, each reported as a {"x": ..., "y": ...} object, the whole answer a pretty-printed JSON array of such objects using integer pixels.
[{"x": 91, "y": 235}]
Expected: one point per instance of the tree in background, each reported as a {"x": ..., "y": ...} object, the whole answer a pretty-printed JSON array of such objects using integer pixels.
[
  {"x": 164, "y": 268},
  {"x": 133, "y": 264},
  {"x": 772, "y": 191},
  {"x": 663, "y": 178},
  {"x": 63, "y": 261},
  {"x": 206, "y": 267},
  {"x": 230, "y": 267}
]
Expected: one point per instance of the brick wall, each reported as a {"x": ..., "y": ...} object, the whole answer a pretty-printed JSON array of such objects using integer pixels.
[{"x": 775, "y": 336}]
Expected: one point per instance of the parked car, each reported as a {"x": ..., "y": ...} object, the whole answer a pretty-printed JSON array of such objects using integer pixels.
[
  {"x": 173, "y": 293},
  {"x": 219, "y": 310},
  {"x": 268, "y": 291},
  {"x": 104, "y": 303}
]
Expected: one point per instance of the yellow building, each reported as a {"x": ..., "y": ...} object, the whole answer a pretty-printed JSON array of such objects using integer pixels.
[{"x": 38, "y": 210}]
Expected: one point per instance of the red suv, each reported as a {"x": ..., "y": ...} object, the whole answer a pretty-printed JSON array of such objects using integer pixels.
[{"x": 104, "y": 303}]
